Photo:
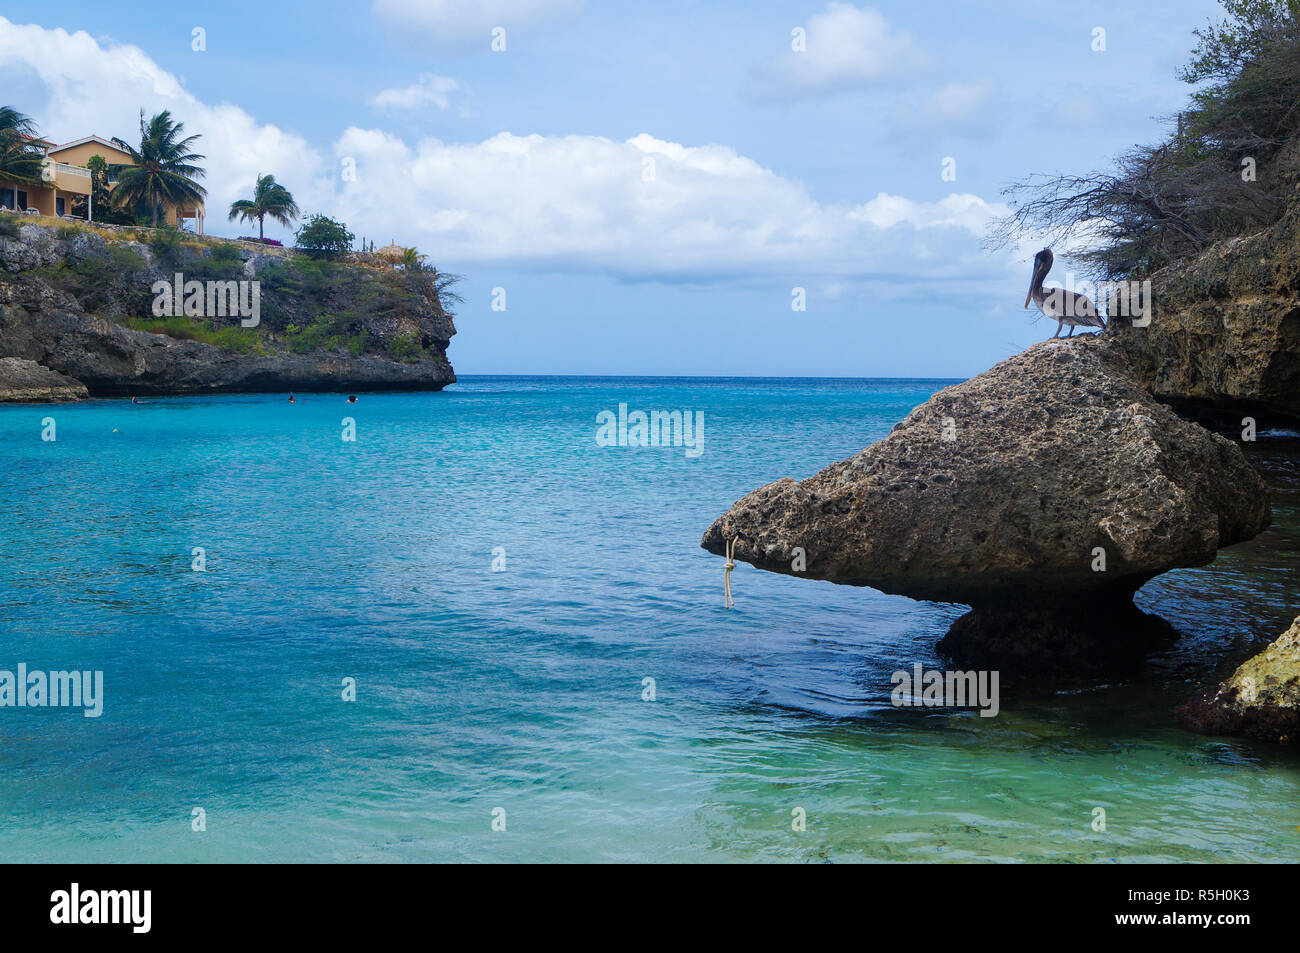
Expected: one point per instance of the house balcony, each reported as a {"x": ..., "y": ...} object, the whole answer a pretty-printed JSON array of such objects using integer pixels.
[{"x": 66, "y": 178}]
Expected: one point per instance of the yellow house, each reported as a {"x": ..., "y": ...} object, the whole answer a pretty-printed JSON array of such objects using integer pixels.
[{"x": 65, "y": 183}]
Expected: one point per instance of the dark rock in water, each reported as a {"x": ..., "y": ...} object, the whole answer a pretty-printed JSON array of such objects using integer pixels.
[
  {"x": 1094, "y": 634},
  {"x": 28, "y": 382},
  {"x": 1260, "y": 700},
  {"x": 1225, "y": 329},
  {"x": 1043, "y": 493}
]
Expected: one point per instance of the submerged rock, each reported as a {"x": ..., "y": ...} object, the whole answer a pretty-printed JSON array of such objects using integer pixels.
[
  {"x": 28, "y": 382},
  {"x": 1043, "y": 493},
  {"x": 1260, "y": 700}
]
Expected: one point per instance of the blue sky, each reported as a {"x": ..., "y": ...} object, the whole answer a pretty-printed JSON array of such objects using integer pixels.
[{"x": 648, "y": 183}]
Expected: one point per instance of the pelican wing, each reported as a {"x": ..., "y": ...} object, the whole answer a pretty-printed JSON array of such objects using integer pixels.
[{"x": 1079, "y": 311}]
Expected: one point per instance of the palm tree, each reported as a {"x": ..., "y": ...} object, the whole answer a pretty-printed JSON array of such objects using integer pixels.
[
  {"x": 269, "y": 198},
  {"x": 164, "y": 170},
  {"x": 412, "y": 260},
  {"x": 20, "y": 156}
]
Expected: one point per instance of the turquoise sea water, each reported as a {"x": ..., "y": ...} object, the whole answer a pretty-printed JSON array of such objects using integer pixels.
[{"x": 522, "y": 690}]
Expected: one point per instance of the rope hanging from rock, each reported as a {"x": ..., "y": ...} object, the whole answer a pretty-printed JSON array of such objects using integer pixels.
[{"x": 729, "y": 565}]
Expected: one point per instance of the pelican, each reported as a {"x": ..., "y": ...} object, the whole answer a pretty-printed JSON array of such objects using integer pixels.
[{"x": 1067, "y": 307}]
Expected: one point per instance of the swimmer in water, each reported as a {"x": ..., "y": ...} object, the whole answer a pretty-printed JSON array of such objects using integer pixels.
[
  {"x": 352, "y": 398},
  {"x": 291, "y": 399}
]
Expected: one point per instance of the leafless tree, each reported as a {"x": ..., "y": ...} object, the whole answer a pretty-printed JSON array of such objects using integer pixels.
[{"x": 1232, "y": 165}]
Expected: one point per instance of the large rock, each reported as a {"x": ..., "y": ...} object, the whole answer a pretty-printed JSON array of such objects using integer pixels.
[
  {"x": 28, "y": 382},
  {"x": 112, "y": 360},
  {"x": 1225, "y": 331},
  {"x": 1261, "y": 699},
  {"x": 1006, "y": 493}
]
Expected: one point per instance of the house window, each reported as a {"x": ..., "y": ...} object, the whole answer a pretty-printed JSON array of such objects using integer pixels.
[
  {"x": 13, "y": 199},
  {"x": 60, "y": 206}
]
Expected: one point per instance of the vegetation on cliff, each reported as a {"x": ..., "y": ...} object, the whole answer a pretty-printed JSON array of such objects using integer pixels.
[
  {"x": 76, "y": 297},
  {"x": 306, "y": 303},
  {"x": 270, "y": 198},
  {"x": 322, "y": 237},
  {"x": 1230, "y": 166}
]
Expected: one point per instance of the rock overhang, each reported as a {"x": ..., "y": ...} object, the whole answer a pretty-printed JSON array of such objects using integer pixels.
[{"x": 1052, "y": 475}]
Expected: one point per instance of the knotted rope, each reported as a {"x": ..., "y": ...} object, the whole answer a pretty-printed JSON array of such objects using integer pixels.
[{"x": 729, "y": 565}]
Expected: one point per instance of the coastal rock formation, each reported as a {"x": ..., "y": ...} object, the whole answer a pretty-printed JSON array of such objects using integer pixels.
[
  {"x": 107, "y": 360},
  {"x": 67, "y": 294},
  {"x": 1260, "y": 700},
  {"x": 1225, "y": 332},
  {"x": 1043, "y": 493},
  {"x": 28, "y": 382}
]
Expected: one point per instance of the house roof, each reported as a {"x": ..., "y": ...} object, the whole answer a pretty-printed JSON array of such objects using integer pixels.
[{"x": 84, "y": 140}]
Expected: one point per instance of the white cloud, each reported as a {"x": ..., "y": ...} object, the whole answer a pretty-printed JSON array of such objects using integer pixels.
[
  {"x": 458, "y": 22},
  {"x": 428, "y": 90},
  {"x": 644, "y": 208},
  {"x": 958, "y": 210},
  {"x": 640, "y": 209},
  {"x": 847, "y": 47},
  {"x": 92, "y": 89}
]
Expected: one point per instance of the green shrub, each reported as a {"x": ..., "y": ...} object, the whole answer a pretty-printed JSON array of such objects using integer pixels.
[
  {"x": 358, "y": 344},
  {"x": 166, "y": 246},
  {"x": 227, "y": 254},
  {"x": 322, "y": 237},
  {"x": 231, "y": 338},
  {"x": 222, "y": 263},
  {"x": 325, "y": 334},
  {"x": 404, "y": 347},
  {"x": 102, "y": 280}
]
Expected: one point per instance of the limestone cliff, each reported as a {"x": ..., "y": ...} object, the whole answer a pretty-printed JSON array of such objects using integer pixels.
[
  {"x": 28, "y": 382},
  {"x": 79, "y": 301},
  {"x": 1225, "y": 335}
]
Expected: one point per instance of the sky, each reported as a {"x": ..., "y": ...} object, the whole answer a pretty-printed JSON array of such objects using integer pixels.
[{"x": 646, "y": 189}]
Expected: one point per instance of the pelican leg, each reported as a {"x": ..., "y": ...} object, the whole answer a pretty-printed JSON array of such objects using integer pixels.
[
  {"x": 1059, "y": 325},
  {"x": 1071, "y": 334}
]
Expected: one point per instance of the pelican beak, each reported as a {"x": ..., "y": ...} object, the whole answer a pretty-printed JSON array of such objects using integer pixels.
[{"x": 1033, "y": 279}]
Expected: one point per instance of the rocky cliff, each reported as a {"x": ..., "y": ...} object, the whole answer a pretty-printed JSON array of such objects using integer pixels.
[
  {"x": 79, "y": 302},
  {"x": 1225, "y": 334},
  {"x": 28, "y": 382}
]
